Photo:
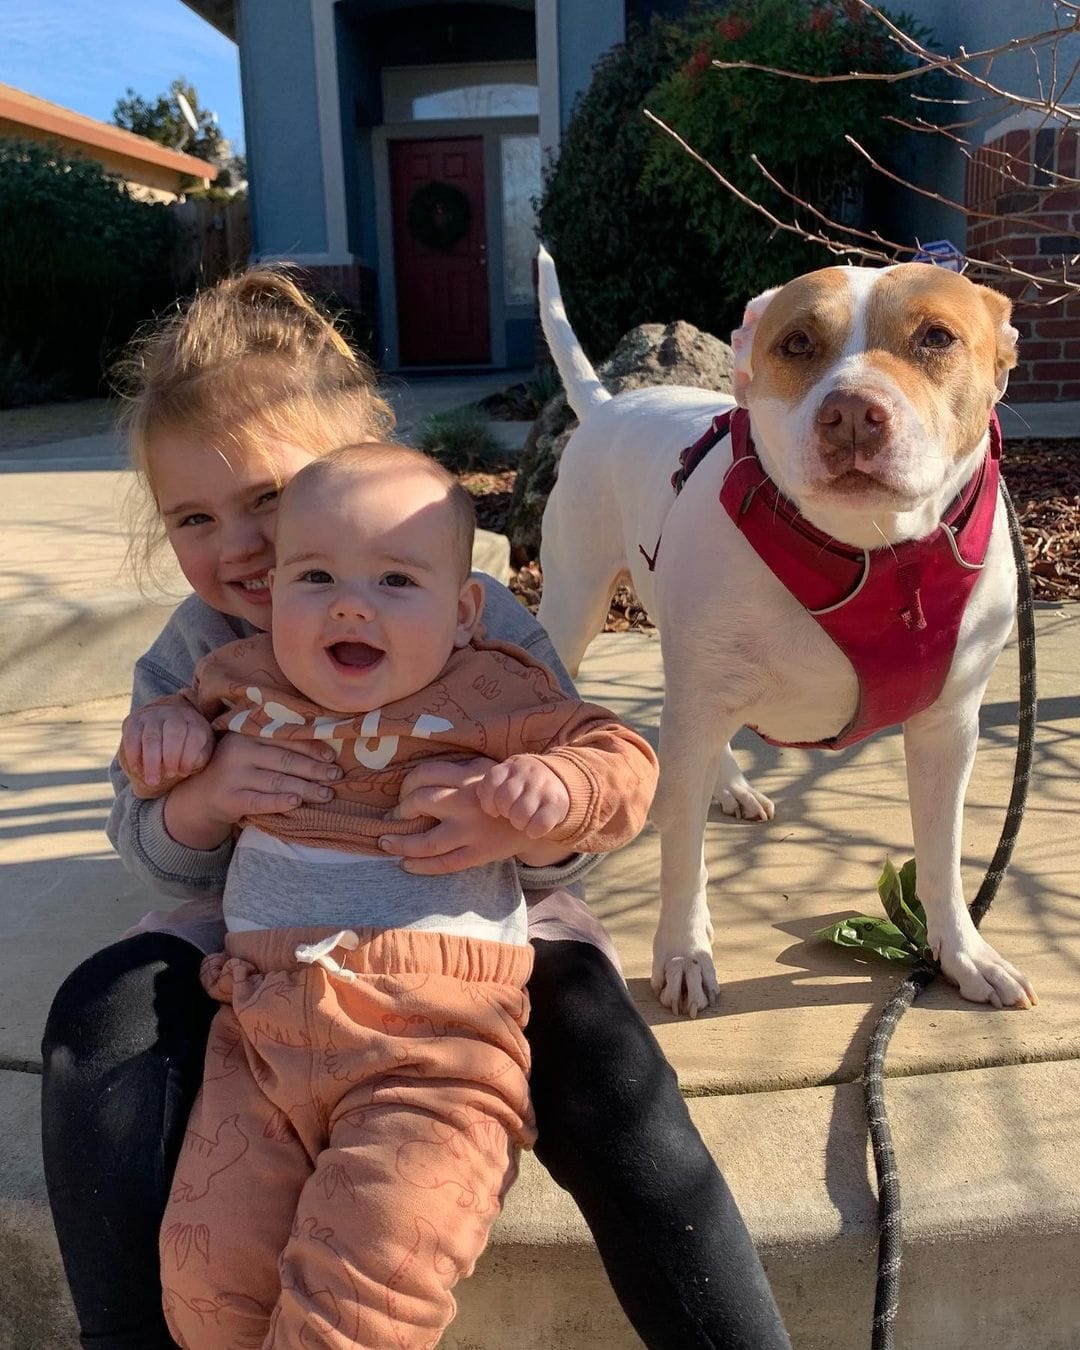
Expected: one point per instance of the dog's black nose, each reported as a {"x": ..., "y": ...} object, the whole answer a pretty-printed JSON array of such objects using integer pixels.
[{"x": 852, "y": 422}]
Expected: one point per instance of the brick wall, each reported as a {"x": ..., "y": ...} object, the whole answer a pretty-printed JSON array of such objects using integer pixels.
[
  {"x": 1012, "y": 177},
  {"x": 355, "y": 285}
]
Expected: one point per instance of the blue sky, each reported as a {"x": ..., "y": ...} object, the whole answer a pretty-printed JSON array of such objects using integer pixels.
[{"x": 86, "y": 53}]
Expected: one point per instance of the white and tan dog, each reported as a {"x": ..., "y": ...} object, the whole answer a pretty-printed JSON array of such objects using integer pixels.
[{"x": 869, "y": 394}]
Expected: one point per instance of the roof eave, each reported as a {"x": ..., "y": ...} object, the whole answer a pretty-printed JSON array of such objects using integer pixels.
[
  {"x": 52, "y": 119},
  {"x": 220, "y": 14}
]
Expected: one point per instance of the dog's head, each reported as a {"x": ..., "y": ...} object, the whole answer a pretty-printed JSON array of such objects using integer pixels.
[{"x": 870, "y": 391}]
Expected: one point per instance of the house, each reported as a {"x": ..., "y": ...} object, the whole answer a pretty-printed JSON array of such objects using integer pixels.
[
  {"x": 376, "y": 129},
  {"x": 150, "y": 170},
  {"x": 395, "y": 150}
]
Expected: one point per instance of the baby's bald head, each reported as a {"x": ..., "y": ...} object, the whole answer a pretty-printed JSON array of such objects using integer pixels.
[{"x": 348, "y": 469}]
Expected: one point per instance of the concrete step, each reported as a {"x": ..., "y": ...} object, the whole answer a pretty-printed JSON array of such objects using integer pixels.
[
  {"x": 985, "y": 1105},
  {"x": 990, "y": 1162}
]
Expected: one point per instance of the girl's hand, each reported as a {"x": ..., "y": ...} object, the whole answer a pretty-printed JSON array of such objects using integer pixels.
[
  {"x": 465, "y": 836},
  {"x": 527, "y": 793},
  {"x": 163, "y": 743},
  {"x": 247, "y": 777}
]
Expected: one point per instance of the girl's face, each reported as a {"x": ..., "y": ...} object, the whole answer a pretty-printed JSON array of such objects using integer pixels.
[{"x": 219, "y": 512}]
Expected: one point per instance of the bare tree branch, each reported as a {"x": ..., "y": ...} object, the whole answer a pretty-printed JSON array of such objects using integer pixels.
[
  {"x": 894, "y": 248},
  {"x": 990, "y": 104},
  {"x": 928, "y": 62},
  {"x": 1025, "y": 218},
  {"x": 1004, "y": 170}
]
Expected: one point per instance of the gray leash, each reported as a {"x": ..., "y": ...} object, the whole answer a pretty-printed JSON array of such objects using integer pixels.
[{"x": 890, "y": 1238}]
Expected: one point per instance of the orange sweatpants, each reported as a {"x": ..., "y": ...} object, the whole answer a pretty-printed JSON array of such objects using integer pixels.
[{"x": 352, "y": 1143}]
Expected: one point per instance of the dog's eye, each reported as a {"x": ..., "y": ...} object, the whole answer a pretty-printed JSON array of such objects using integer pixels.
[
  {"x": 937, "y": 339},
  {"x": 797, "y": 344}
]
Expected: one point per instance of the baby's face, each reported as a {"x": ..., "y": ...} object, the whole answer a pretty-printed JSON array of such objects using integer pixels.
[{"x": 368, "y": 600}]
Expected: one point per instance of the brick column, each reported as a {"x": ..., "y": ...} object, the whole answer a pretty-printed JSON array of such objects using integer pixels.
[
  {"x": 1048, "y": 235},
  {"x": 354, "y": 284}
]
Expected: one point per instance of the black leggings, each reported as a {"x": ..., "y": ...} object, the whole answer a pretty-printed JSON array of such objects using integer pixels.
[{"x": 123, "y": 1059}]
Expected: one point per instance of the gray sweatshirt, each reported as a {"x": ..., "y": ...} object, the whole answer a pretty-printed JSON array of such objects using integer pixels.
[{"x": 136, "y": 827}]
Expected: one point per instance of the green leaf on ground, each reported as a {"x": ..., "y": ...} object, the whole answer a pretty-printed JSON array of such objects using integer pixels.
[
  {"x": 870, "y": 934},
  {"x": 902, "y": 905},
  {"x": 900, "y": 937}
]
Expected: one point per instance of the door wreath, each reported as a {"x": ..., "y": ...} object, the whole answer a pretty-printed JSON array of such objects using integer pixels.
[{"x": 438, "y": 215}]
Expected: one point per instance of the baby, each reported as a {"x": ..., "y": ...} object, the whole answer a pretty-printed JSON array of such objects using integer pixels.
[{"x": 366, "y": 1093}]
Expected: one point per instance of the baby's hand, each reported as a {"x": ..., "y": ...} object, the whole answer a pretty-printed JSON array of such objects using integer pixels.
[
  {"x": 524, "y": 791},
  {"x": 163, "y": 743}
]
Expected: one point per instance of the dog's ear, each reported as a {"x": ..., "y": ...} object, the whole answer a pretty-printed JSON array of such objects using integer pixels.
[
  {"x": 742, "y": 344},
  {"x": 999, "y": 307}
]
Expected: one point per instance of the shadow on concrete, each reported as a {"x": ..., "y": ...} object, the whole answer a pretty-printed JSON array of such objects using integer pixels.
[
  {"x": 64, "y": 651},
  {"x": 53, "y": 914},
  {"x": 12, "y": 461}
]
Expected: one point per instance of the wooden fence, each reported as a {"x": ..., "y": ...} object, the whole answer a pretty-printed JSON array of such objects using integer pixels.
[{"x": 213, "y": 239}]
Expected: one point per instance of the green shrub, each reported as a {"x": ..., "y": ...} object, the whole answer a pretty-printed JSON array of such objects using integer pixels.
[
  {"x": 82, "y": 263},
  {"x": 603, "y": 224},
  {"x": 641, "y": 232},
  {"x": 461, "y": 440},
  {"x": 543, "y": 387}
]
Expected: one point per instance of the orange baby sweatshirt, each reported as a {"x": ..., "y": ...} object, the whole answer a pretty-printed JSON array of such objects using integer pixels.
[{"x": 490, "y": 699}]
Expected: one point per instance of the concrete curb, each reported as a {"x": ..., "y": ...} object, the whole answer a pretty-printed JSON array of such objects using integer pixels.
[
  {"x": 35, "y": 1307},
  {"x": 992, "y": 1222}
]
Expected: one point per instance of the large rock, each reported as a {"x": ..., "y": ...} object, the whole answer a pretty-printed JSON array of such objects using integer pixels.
[{"x": 652, "y": 353}]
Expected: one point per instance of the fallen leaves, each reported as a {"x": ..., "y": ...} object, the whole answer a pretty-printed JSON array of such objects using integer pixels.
[
  {"x": 527, "y": 583},
  {"x": 1043, "y": 478}
]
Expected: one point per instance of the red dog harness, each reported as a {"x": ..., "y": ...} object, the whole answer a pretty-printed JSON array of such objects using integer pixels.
[{"x": 894, "y": 612}]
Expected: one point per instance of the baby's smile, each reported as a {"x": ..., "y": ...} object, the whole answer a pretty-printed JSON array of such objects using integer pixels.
[{"x": 354, "y": 656}]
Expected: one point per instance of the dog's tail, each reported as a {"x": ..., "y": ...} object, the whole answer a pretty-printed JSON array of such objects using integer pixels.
[{"x": 582, "y": 385}]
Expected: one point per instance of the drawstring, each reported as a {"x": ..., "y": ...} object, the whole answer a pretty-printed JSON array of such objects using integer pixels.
[{"x": 318, "y": 953}]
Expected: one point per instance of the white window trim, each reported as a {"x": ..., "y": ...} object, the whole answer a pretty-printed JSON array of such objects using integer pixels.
[
  {"x": 1030, "y": 119},
  {"x": 547, "y": 78}
]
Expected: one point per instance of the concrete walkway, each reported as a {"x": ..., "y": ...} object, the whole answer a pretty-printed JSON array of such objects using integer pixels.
[
  {"x": 985, "y": 1105},
  {"x": 72, "y": 619}
]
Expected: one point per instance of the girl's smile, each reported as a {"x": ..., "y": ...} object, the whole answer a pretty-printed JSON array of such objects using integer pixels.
[{"x": 255, "y": 589}]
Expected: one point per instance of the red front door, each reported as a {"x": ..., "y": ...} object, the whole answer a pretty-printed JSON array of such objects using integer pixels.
[{"x": 442, "y": 294}]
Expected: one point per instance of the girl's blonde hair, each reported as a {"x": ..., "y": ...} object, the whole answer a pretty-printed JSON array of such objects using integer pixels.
[{"x": 248, "y": 361}]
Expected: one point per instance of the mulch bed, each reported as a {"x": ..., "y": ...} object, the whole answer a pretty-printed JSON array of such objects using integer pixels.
[{"x": 1043, "y": 479}]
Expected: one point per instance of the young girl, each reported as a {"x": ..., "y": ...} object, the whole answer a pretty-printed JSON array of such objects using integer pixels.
[{"x": 230, "y": 399}]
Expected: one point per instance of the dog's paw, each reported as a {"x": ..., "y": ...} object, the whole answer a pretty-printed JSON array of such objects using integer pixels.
[
  {"x": 685, "y": 982},
  {"x": 736, "y": 797},
  {"x": 983, "y": 976}
]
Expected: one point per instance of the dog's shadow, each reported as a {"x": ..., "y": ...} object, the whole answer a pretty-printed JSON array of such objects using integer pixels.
[{"x": 816, "y": 973}]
